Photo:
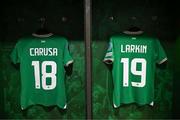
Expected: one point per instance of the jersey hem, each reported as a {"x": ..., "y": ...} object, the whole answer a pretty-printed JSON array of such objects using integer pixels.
[
  {"x": 64, "y": 107},
  {"x": 117, "y": 106}
]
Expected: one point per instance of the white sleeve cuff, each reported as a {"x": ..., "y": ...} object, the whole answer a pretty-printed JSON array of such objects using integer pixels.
[
  {"x": 115, "y": 106},
  {"x": 109, "y": 54},
  {"x": 108, "y": 59},
  {"x": 163, "y": 60},
  {"x": 69, "y": 62}
]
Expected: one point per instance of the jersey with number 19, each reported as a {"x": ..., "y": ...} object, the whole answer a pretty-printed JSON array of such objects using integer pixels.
[
  {"x": 134, "y": 59},
  {"x": 42, "y": 60}
]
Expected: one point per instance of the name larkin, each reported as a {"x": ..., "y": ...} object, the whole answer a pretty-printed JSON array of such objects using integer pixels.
[
  {"x": 133, "y": 48},
  {"x": 43, "y": 51}
]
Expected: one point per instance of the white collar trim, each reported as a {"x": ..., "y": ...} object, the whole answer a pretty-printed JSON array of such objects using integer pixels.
[
  {"x": 133, "y": 33},
  {"x": 45, "y": 35}
]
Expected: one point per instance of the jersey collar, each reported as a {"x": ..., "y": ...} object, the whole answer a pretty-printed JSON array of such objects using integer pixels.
[
  {"x": 133, "y": 33},
  {"x": 42, "y": 36}
]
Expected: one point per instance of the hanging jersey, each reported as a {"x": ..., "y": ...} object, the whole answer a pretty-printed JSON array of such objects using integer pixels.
[
  {"x": 134, "y": 59},
  {"x": 42, "y": 60}
]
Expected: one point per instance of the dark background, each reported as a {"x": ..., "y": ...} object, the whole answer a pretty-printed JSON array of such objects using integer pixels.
[{"x": 158, "y": 18}]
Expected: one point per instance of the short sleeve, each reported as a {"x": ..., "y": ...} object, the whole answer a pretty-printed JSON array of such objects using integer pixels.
[
  {"x": 160, "y": 53},
  {"x": 15, "y": 55},
  {"x": 109, "y": 58},
  {"x": 67, "y": 57}
]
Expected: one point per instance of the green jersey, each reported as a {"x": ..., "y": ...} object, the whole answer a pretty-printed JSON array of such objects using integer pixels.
[
  {"x": 42, "y": 59},
  {"x": 134, "y": 59}
]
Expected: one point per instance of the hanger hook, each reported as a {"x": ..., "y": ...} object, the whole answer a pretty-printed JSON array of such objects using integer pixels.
[{"x": 42, "y": 21}]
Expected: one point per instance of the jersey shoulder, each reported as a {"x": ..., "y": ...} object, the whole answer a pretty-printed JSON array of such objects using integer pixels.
[
  {"x": 59, "y": 38},
  {"x": 23, "y": 40},
  {"x": 117, "y": 36}
]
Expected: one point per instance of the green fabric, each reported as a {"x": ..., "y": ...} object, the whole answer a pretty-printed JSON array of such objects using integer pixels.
[
  {"x": 42, "y": 71},
  {"x": 134, "y": 59}
]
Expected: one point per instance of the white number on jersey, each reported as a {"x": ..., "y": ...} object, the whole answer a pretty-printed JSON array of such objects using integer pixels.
[
  {"x": 45, "y": 75},
  {"x": 134, "y": 71}
]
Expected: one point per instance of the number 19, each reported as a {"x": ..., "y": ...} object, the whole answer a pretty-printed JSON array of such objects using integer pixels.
[{"x": 134, "y": 71}]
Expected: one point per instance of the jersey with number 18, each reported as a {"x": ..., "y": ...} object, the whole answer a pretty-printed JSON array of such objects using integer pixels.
[
  {"x": 134, "y": 59},
  {"x": 42, "y": 59}
]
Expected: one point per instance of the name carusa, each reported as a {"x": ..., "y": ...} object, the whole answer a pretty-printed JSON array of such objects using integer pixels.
[{"x": 43, "y": 51}]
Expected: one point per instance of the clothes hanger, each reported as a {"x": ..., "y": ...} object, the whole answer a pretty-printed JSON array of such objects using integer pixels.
[
  {"x": 42, "y": 30},
  {"x": 134, "y": 29}
]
